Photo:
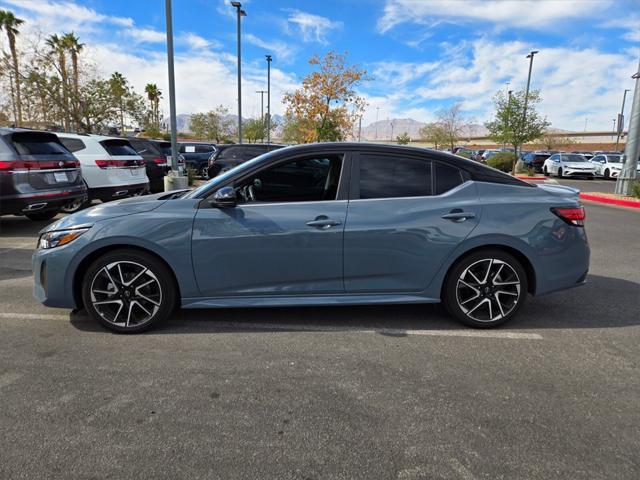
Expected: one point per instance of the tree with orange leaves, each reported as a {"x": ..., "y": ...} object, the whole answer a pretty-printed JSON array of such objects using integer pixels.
[{"x": 325, "y": 108}]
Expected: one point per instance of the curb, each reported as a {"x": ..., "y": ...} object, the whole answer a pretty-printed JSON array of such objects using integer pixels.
[{"x": 610, "y": 201}]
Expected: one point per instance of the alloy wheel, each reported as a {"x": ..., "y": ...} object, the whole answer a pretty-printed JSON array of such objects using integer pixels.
[
  {"x": 488, "y": 290},
  {"x": 126, "y": 294}
]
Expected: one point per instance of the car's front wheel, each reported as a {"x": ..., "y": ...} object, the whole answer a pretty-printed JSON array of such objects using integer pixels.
[
  {"x": 560, "y": 173},
  {"x": 485, "y": 289},
  {"x": 545, "y": 171},
  {"x": 128, "y": 291}
]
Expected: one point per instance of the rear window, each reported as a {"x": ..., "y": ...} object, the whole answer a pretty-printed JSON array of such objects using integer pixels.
[
  {"x": 394, "y": 177},
  {"x": 165, "y": 147},
  {"x": 118, "y": 148},
  {"x": 73, "y": 144},
  {"x": 447, "y": 178},
  {"x": 32, "y": 143},
  {"x": 144, "y": 148}
]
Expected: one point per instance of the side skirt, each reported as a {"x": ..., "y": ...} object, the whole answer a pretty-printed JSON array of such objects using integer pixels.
[{"x": 301, "y": 300}]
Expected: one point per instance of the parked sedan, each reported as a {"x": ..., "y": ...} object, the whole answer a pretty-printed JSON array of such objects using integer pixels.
[
  {"x": 39, "y": 177},
  {"x": 321, "y": 224},
  {"x": 196, "y": 156},
  {"x": 607, "y": 166},
  {"x": 568, "y": 165}
]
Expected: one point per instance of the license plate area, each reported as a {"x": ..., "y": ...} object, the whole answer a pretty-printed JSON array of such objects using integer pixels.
[{"x": 60, "y": 176}]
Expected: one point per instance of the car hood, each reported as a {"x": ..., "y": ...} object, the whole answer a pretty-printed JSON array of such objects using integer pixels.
[
  {"x": 578, "y": 164},
  {"x": 118, "y": 208}
]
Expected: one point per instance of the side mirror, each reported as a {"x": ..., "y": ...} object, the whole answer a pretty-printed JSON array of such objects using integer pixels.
[{"x": 225, "y": 197}]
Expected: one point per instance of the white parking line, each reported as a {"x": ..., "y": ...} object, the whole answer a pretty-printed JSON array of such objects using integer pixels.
[{"x": 328, "y": 328}]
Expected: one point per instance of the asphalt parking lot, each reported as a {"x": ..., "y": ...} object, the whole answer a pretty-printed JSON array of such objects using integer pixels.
[{"x": 308, "y": 393}]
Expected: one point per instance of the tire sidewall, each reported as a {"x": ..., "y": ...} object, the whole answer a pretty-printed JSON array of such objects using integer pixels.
[
  {"x": 161, "y": 272},
  {"x": 449, "y": 290}
]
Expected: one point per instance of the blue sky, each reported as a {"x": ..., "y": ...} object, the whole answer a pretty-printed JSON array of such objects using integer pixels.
[{"x": 422, "y": 55}]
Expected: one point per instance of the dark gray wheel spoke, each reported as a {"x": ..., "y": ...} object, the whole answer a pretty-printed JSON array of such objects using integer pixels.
[
  {"x": 132, "y": 300},
  {"x": 488, "y": 290}
]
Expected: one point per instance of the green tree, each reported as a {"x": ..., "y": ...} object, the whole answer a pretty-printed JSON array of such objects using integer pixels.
[
  {"x": 510, "y": 125},
  {"x": 327, "y": 104},
  {"x": 434, "y": 133},
  {"x": 58, "y": 48},
  {"x": 153, "y": 95},
  {"x": 10, "y": 23},
  {"x": 213, "y": 125},
  {"x": 254, "y": 129},
  {"x": 453, "y": 124},
  {"x": 403, "y": 139},
  {"x": 74, "y": 47}
]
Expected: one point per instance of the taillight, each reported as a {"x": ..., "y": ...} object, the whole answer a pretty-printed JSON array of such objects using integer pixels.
[
  {"x": 572, "y": 216},
  {"x": 161, "y": 161},
  {"x": 7, "y": 165},
  {"x": 20, "y": 165}
]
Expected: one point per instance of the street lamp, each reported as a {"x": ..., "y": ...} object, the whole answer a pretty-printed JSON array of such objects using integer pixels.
[
  {"x": 526, "y": 93},
  {"x": 240, "y": 13},
  {"x": 268, "y": 57}
]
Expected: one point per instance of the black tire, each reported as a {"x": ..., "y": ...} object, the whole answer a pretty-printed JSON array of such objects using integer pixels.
[
  {"x": 76, "y": 206},
  {"x": 560, "y": 173},
  {"x": 606, "y": 174},
  {"x": 545, "y": 171},
  {"x": 455, "y": 288},
  {"x": 41, "y": 216},
  {"x": 162, "y": 306},
  {"x": 204, "y": 172}
]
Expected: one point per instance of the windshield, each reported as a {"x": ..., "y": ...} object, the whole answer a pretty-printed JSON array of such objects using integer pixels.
[
  {"x": 229, "y": 173},
  {"x": 570, "y": 157}
]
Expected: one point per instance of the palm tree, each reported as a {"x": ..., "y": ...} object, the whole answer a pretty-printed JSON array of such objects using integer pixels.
[
  {"x": 10, "y": 23},
  {"x": 154, "y": 95},
  {"x": 73, "y": 45},
  {"x": 118, "y": 85},
  {"x": 58, "y": 47}
]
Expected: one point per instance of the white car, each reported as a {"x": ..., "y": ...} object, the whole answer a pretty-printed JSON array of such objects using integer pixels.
[
  {"x": 111, "y": 167},
  {"x": 607, "y": 166},
  {"x": 568, "y": 165}
]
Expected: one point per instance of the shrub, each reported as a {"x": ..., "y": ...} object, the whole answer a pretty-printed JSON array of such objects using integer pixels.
[
  {"x": 502, "y": 161},
  {"x": 635, "y": 189},
  {"x": 191, "y": 175}
]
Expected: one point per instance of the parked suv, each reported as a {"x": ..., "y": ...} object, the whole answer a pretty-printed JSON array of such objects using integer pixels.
[
  {"x": 196, "y": 155},
  {"x": 111, "y": 167},
  {"x": 155, "y": 162},
  {"x": 38, "y": 175},
  {"x": 535, "y": 160},
  {"x": 228, "y": 156}
]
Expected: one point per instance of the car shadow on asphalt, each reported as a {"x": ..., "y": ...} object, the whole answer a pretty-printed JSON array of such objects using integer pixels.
[
  {"x": 603, "y": 302},
  {"x": 17, "y": 226}
]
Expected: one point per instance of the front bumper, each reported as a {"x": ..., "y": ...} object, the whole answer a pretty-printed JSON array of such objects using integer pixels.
[
  {"x": 50, "y": 267},
  {"x": 568, "y": 172}
]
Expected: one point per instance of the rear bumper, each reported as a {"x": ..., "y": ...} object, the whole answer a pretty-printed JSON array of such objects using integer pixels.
[
  {"x": 40, "y": 201},
  {"x": 118, "y": 191}
]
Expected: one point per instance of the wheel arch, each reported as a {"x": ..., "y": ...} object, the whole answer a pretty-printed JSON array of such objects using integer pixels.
[
  {"x": 84, "y": 264},
  {"x": 518, "y": 254}
]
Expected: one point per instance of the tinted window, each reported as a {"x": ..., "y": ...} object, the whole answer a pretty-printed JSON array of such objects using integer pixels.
[
  {"x": 393, "y": 177},
  {"x": 118, "y": 147},
  {"x": 447, "y": 177},
  {"x": 306, "y": 179},
  {"x": 73, "y": 144},
  {"x": 230, "y": 152},
  {"x": 29, "y": 143},
  {"x": 204, "y": 149}
]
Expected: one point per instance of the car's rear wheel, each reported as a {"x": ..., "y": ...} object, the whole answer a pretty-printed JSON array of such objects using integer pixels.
[
  {"x": 40, "y": 216},
  {"x": 485, "y": 289},
  {"x": 204, "y": 173},
  {"x": 75, "y": 206},
  {"x": 545, "y": 171},
  {"x": 128, "y": 291}
]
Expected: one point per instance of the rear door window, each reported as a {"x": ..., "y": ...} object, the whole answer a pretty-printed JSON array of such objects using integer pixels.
[
  {"x": 383, "y": 176},
  {"x": 73, "y": 144},
  {"x": 118, "y": 148},
  {"x": 34, "y": 143},
  {"x": 204, "y": 149},
  {"x": 447, "y": 177}
]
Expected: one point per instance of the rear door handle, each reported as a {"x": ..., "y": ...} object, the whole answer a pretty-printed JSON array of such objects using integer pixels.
[
  {"x": 458, "y": 216},
  {"x": 324, "y": 223}
]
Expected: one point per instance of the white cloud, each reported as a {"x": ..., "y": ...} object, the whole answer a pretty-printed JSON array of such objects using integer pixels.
[
  {"x": 196, "y": 42},
  {"x": 313, "y": 28},
  {"x": 281, "y": 51},
  {"x": 145, "y": 35},
  {"x": 630, "y": 23},
  {"x": 529, "y": 14}
]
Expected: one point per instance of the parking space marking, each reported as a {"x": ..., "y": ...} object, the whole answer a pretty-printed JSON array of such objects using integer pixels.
[{"x": 400, "y": 332}]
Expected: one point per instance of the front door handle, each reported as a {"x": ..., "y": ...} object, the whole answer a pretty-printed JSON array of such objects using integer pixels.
[
  {"x": 458, "y": 215},
  {"x": 323, "y": 222}
]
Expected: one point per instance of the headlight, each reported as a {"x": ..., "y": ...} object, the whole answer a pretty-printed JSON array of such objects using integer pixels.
[{"x": 59, "y": 238}]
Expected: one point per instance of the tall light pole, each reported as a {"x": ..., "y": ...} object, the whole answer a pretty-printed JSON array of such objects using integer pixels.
[
  {"x": 629, "y": 171},
  {"x": 526, "y": 93},
  {"x": 173, "y": 180},
  {"x": 239, "y": 13},
  {"x": 268, "y": 57},
  {"x": 621, "y": 118}
]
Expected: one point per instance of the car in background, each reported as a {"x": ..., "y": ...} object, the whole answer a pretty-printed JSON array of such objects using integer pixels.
[
  {"x": 587, "y": 155},
  {"x": 111, "y": 167},
  {"x": 165, "y": 148},
  {"x": 478, "y": 155},
  {"x": 321, "y": 224},
  {"x": 568, "y": 165},
  {"x": 155, "y": 162},
  {"x": 228, "y": 156},
  {"x": 609, "y": 165},
  {"x": 39, "y": 177},
  {"x": 196, "y": 156},
  {"x": 463, "y": 152},
  {"x": 535, "y": 160},
  {"x": 487, "y": 154}
]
